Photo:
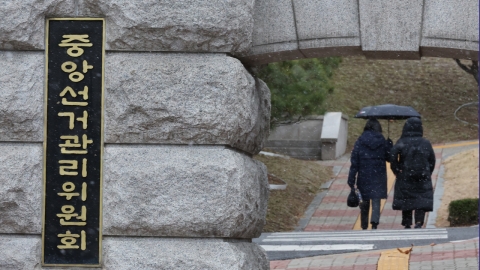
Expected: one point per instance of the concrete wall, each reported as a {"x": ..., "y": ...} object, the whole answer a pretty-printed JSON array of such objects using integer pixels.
[
  {"x": 410, "y": 29},
  {"x": 182, "y": 119},
  {"x": 315, "y": 137},
  {"x": 300, "y": 140}
]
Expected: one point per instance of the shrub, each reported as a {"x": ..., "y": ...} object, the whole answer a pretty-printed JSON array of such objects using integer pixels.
[
  {"x": 298, "y": 87},
  {"x": 463, "y": 212}
]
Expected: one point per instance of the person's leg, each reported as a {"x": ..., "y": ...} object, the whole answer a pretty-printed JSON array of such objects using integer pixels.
[
  {"x": 364, "y": 209},
  {"x": 375, "y": 219},
  {"x": 407, "y": 218},
  {"x": 419, "y": 218}
]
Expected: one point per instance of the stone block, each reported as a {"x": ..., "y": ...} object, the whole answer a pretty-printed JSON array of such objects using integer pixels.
[
  {"x": 299, "y": 140},
  {"x": 455, "y": 20},
  {"x": 191, "y": 191},
  {"x": 22, "y": 26},
  {"x": 451, "y": 25},
  {"x": 180, "y": 253},
  {"x": 21, "y": 188},
  {"x": 170, "y": 25},
  {"x": 21, "y": 105},
  {"x": 274, "y": 33},
  {"x": 274, "y": 22},
  {"x": 307, "y": 129},
  {"x": 323, "y": 28},
  {"x": 327, "y": 28},
  {"x": 391, "y": 29},
  {"x": 119, "y": 253},
  {"x": 185, "y": 191},
  {"x": 326, "y": 19},
  {"x": 184, "y": 99},
  {"x": 150, "y": 98},
  {"x": 20, "y": 252},
  {"x": 183, "y": 26}
]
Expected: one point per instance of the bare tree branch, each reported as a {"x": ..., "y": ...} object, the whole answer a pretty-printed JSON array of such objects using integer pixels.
[{"x": 472, "y": 69}]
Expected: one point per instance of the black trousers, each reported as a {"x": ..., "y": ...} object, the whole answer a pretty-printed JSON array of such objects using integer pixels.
[
  {"x": 407, "y": 217},
  {"x": 365, "y": 208}
]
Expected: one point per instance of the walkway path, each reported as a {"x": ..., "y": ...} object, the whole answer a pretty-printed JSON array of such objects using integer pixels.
[
  {"x": 329, "y": 212},
  {"x": 449, "y": 256},
  {"x": 334, "y": 214}
]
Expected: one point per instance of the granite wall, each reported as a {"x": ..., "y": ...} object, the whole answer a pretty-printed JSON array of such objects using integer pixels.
[{"x": 183, "y": 118}]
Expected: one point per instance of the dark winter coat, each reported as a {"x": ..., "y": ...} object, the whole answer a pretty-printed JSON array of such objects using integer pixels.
[
  {"x": 412, "y": 194},
  {"x": 368, "y": 165}
]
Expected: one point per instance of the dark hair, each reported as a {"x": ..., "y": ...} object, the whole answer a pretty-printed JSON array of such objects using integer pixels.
[{"x": 373, "y": 125}]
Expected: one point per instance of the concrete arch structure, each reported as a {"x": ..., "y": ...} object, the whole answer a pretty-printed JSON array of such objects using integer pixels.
[{"x": 411, "y": 29}]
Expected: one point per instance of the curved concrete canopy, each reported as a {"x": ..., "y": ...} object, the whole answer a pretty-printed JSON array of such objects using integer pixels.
[{"x": 407, "y": 29}]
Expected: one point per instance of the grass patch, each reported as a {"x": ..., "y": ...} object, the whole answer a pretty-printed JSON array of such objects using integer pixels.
[
  {"x": 303, "y": 178},
  {"x": 435, "y": 87}
]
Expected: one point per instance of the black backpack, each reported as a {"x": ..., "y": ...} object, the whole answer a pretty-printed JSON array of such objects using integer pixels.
[{"x": 416, "y": 166}]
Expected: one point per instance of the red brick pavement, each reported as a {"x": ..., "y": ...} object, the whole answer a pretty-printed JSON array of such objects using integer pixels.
[
  {"x": 335, "y": 227},
  {"x": 335, "y": 213},
  {"x": 279, "y": 264},
  {"x": 348, "y": 267},
  {"x": 445, "y": 255},
  {"x": 462, "y": 254}
]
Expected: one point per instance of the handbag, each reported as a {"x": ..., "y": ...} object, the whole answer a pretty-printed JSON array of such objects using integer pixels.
[{"x": 353, "y": 200}]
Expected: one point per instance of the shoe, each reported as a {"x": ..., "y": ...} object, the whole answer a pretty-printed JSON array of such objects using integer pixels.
[
  {"x": 408, "y": 227},
  {"x": 418, "y": 226},
  {"x": 374, "y": 225}
]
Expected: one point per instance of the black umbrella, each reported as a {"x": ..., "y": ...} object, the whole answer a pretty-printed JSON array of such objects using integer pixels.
[{"x": 387, "y": 111}]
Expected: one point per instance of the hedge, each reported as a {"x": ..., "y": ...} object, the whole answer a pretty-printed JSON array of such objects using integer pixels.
[{"x": 463, "y": 212}]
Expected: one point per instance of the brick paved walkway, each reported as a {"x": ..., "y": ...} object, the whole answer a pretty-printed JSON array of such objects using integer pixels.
[
  {"x": 334, "y": 214},
  {"x": 449, "y": 256}
]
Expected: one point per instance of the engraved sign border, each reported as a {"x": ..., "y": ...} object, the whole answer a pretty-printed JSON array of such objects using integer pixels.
[{"x": 47, "y": 21}]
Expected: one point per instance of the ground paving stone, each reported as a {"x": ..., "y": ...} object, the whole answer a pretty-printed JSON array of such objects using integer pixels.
[{"x": 424, "y": 257}]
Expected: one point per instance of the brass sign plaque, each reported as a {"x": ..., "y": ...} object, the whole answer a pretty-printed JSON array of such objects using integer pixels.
[{"x": 73, "y": 142}]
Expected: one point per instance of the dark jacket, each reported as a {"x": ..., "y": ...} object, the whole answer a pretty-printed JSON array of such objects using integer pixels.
[
  {"x": 368, "y": 165},
  {"x": 412, "y": 194}
]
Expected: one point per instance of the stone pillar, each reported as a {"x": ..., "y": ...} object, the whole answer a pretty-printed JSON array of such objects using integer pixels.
[{"x": 183, "y": 118}]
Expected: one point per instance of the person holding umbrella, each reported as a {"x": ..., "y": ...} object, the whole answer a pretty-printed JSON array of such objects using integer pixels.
[
  {"x": 368, "y": 170},
  {"x": 413, "y": 161},
  {"x": 387, "y": 112}
]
